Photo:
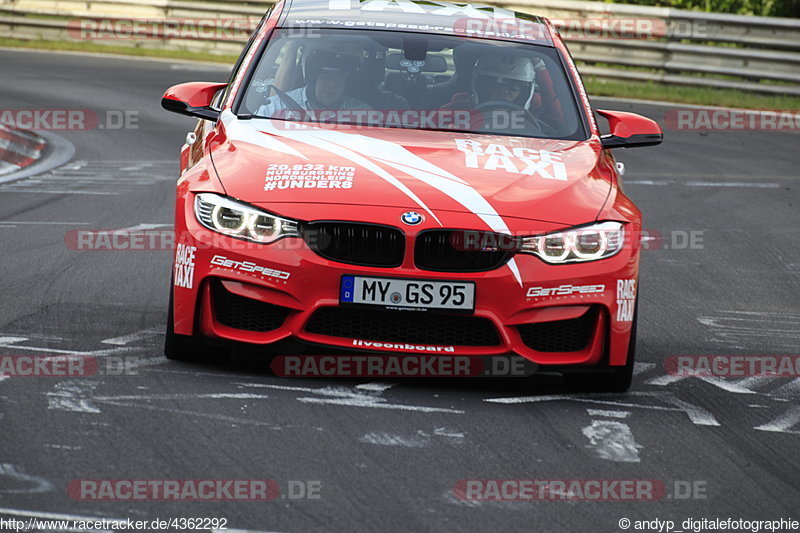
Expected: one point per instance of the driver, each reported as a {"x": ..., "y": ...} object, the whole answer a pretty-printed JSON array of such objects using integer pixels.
[
  {"x": 503, "y": 78},
  {"x": 498, "y": 78},
  {"x": 327, "y": 68}
]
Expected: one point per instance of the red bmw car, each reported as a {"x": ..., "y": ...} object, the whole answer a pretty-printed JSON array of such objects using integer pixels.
[{"x": 406, "y": 177}]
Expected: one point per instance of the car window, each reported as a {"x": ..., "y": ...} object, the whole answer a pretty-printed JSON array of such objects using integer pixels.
[{"x": 414, "y": 80}]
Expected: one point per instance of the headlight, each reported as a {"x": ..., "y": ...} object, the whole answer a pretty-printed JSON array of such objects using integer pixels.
[
  {"x": 241, "y": 220},
  {"x": 587, "y": 243}
]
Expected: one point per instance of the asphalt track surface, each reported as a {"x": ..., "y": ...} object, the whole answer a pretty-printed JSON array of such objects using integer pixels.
[{"x": 387, "y": 455}]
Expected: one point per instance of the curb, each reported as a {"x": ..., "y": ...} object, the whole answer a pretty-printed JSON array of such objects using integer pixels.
[{"x": 19, "y": 149}]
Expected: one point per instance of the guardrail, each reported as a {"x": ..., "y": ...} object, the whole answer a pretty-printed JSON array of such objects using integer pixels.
[{"x": 759, "y": 54}]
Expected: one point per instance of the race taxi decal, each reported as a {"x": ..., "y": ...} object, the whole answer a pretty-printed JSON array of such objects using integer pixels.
[
  {"x": 249, "y": 267},
  {"x": 308, "y": 176},
  {"x": 626, "y": 298},
  {"x": 564, "y": 290},
  {"x": 184, "y": 266},
  {"x": 516, "y": 160}
]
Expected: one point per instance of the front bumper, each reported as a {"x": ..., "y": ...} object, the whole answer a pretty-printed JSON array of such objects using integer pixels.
[{"x": 261, "y": 294}]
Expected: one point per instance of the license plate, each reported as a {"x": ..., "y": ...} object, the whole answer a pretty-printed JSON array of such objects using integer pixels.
[{"x": 408, "y": 293}]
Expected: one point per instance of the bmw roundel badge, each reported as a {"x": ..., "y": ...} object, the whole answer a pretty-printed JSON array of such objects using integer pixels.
[{"x": 412, "y": 218}]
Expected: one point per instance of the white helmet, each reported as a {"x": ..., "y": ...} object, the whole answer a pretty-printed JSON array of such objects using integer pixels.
[{"x": 506, "y": 69}]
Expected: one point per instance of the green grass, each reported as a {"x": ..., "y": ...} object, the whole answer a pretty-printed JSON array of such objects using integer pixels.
[
  {"x": 125, "y": 50},
  {"x": 689, "y": 95},
  {"x": 595, "y": 87}
]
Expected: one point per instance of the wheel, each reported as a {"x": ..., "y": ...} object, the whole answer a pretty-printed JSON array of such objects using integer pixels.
[
  {"x": 619, "y": 379},
  {"x": 176, "y": 347},
  {"x": 542, "y": 128}
]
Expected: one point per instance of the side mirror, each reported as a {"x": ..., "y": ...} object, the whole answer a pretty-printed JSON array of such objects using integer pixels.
[
  {"x": 193, "y": 99},
  {"x": 629, "y": 130}
]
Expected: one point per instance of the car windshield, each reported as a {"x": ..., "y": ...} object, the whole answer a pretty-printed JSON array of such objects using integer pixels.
[{"x": 414, "y": 81}]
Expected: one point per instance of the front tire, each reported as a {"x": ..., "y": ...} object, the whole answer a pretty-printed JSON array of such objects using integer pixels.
[
  {"x": 176, "y": 347},
  {"x": 620, "y": 377}
]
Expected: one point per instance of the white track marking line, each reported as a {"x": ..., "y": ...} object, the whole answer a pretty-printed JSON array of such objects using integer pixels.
[
  {"x": 723, "y": 184},
  {"x": 73, "y": 396},
  {"x": 444, "y": 432},
  {"x": 50, "y": 191},
  {"x": 63, "y": 447},
  {"x": 370, "y": 402},
  {"x": 179, "y": 396},
  {"x": 211, "y": 416},
  {"x": 5, "y": 341},
  {"x": 783, "y": 422},
  {"x": 376, "y": 386},
  {"x": 136, "y": 336},
  {"x": 612, "y": 440},
  {"x": 727, "y": 386},
  {"x": 191, "y": 373},
  {"x": 790, "y": 389},
  {"x": 753, "y": 185},
  {"x": 608, "y": 413},
  {"x": 349, "y": 398},
  {"x": 696, "y": 414},
  {"x": 388, "y": 439},
  {"x": 143, "y": 227},
  {"x": 95, "y": 353},
  {"x": 9, "y": 470},
  {"x": 39, "y": 223}
]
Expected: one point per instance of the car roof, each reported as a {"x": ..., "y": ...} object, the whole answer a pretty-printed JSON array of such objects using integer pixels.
[{"x": 426, "y": 16}]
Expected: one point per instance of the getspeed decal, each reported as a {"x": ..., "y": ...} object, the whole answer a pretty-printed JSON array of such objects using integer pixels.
[
  {"x": 248, "y": 267},
  {"x": 564, "y": 290},
  {"x": 516, "y": 160}
]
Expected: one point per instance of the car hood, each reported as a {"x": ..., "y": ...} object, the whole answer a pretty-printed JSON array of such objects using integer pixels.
[{"x": 273, "y": 162}]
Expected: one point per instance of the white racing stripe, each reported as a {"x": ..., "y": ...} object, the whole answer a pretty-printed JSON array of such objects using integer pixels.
[
  {"x": 364, "y": 151},
  {"x": 308, "y": 138},
  {"x": 237, "y": 131}
]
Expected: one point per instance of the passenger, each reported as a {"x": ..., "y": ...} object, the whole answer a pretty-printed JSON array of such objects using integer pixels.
[
  {"x": 514, "y": 79},
  {"x": 327, "y": 69}
]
